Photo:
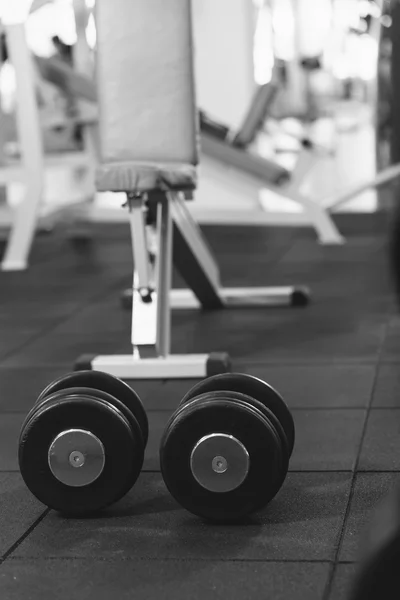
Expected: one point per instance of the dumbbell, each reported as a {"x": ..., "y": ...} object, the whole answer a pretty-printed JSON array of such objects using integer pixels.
[
  {"x": 225, "y": 451},
  {"x": 378, "y": 574},
  {"x": 81, "y": 447}
]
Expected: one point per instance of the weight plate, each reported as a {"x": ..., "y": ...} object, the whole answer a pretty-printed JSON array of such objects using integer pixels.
[
  {"x": 106, "y": 383},
  {"x": 251, "y": 386},
  {"x": 202, "y": 418},
  {"x": 91, "y": 393},
  {"x": 264, "y": 413},
  {"x": 123, "y": 452}
]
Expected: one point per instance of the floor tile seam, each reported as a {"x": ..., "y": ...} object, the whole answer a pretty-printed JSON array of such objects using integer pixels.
[
  {"x": 303, "y": 409},
  {"x": 24, "y": 536},
  {"x": 312, "y": 362},
  {"x": 388, "y": 362},
  {"x": 305, "y": 363},
  {"x": 290, "y": 245},
  {"x": 342, "y": 529},
  {"x": 371, "y": 397},
  {"x": 152, "y": 558},
  {"x": 292, "y": 471}
]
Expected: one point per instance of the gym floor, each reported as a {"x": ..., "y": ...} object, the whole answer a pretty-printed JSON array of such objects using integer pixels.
[{"x": 335, "y": 362}]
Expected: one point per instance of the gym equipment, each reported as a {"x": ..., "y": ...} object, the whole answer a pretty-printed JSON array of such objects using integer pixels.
[
  {"x": 257, "y": 120},
  {"x": 220, "y": 144},
  {"x": 225, "y": 451},
  {"x": 81, "y": 446},
  {"x": 378, "y": 574},
  {"x": 254, "y": 123},
  {"x": 395, "y": 80},
  {"x": 238, "y": 150},
  {"x": 149, "y": 152},
  {"x": 384, "y": 102},
  {"x": 196, "y": 264},
  {"x": 187, "y": 239},
  {"x": 61, "y": 74},
  {"x": 29, "y": 167},
  {"x": 257, "y": 173}
]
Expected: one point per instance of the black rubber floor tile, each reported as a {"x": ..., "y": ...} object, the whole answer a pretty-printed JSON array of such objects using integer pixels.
[
  {"x": 14, "y": 341},
  {"x": 327, "y": 439},
  {"x": 164, "y": 580},
  {"x": 391, "y": 346},
  {"x": 281, "y": 336},
  {"x": 50, "y": 294},
  {"x": 102, "y": 317},
  {"x": 20, "y": 387},
  {"x": 319, "y": 386},
  {"x": 149, "y": 391},
  {"x": 226, "y": 239},
  {"x": 387, "y": 387},
  {"x": 19, "y": 511},
  {"x": 169, "y": 394},
  {"x": 381, "y": 445},
  {"x": 39, "y": 310},
  {"x": 301, "y": 523},
  {"x": 102, "y": 253},
  {"x": 369, "y": 490},
  {"x": 13, "y": 321},
  {"x": 251, "y": 271},
  {"x": 342, "y": 581},
  {"x": 10, "y": 425},
  {"x": 356, "y": 250},
  {"x": 59, "y": 350}
]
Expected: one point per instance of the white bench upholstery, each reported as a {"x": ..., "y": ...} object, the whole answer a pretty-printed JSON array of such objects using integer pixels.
[{"x": 148, "y": 120}]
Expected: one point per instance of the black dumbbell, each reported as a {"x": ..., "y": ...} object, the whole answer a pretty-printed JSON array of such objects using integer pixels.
[
  {"x": 81, "y": 447},
  {"x": 225, "y": 451},
  {"x": 378, "y": 574}
]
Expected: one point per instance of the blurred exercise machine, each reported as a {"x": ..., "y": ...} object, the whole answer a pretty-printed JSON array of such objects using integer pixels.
[
  {"x": 156, "y": 172},
  {"x": 45, "y": 141},
  {"x": 237, "y": 150},
  {"x": 234, "y": 149},
  {"x": 231, "y": 153},
  {"x": 28, "y": 166}
]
